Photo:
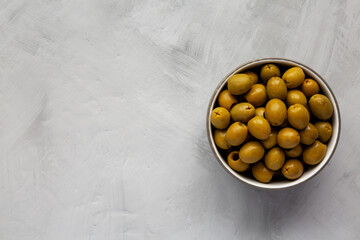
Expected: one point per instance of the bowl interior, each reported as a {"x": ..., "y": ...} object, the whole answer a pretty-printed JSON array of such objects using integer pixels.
[{"x": 335, "y": 122}]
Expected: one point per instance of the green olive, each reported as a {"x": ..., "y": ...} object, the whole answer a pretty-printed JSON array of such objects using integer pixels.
[
  {"x": 294, "y": 77},
  {"x": 268, "y": 71},
  {"x": 298, "y": 116},
  {"x": 260, "y": 111},
  {"x": 220, "y": 118},
  {"x": 251, "y": 152},
  {"x": 274, "y": 158},
  {"x": 253, "y": 76},
  {"x": 288, "y": 138},
  {"x": 226, "y": 99},
  {"x": 292, "y": 169},
  {"x": 308, "y": 135},
  {"x": 324, "y": 130},
  {"x": 239, "y": 84},
  {"x": 321, "y": 107},
  {"x": 314, "y": 153},
  {"x": 236, "y": 133},
  {"x": 262, "y": 173},
  {"x": 310, "y": 87},
  {"x": 259, "y": 127},
  {"x": 220, "y": 140},
  {"x": 276, "y": 88},
  {"x": 295, "y": 96},
  {"x": 256, "y": 95},
  {"x": 235, "y": 163},
  {"x": 294, "y": 152},
  {"x": 275, "y": 112},
  {"x": 271, "y": 141},
  {"x": 242, "y": 112}
]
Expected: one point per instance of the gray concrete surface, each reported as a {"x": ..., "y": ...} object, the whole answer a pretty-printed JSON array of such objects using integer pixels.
[{"x": 102, "y": 119}]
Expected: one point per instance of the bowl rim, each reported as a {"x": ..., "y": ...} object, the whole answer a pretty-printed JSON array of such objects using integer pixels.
[{"x": 212, "y": 102}]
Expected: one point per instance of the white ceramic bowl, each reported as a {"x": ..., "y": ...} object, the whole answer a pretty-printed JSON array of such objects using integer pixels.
[{"x": 335, "y": 122}]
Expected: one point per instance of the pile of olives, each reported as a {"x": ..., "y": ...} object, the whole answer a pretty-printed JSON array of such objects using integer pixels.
[{"x": 274, "y": 129}]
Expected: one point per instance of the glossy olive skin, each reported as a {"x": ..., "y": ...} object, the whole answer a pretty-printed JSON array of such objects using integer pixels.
[
  {"x": 274, "y": 158},
  {"x": 276, "y": 88},
  {"x": 294, "y": 152},
  {"x": 220, "y": 118},
  {"x": 251, "y": 152},
  {"x": 271, "y": 141},
  {"x": 294, "y": 77},
  {"x": 314, "y": 153},
  {"x": 268, "y": 71},
  {"x": 310, "y": 87},
  {"x": 226, "y": 99},
  {"x": 324, "y": 130},
  {"x": 220, "y": 139},
  {"x": 321, "y": 107},
  {"x": 236, "y": 133},
  {"x": 288, "y": 138},
  {"x": 292, "y": 169},
  {"x": 262, "y": 173},
  {"x": 298, "y": 116},
  {"x": 308, "y": 135},
  {"x": 275, "y": 112},
  {"x": 259, "y": 127},
  {"x": 235, "y": 163},
  {"x": 242, "y": 112},
  {"x": 260, "y": 111},
  {"x": 253, "y": 76},
  {"x": 256, "y": 95},
  {"x": 295, "y": 96},
  {"x": 239, "y": 84}
]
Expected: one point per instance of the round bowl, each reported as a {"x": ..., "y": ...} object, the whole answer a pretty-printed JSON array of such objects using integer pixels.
[{"x": 331, "y": 145}]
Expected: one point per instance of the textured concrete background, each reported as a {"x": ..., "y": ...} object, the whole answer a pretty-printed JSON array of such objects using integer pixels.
[{"x": 102, "y": 119}]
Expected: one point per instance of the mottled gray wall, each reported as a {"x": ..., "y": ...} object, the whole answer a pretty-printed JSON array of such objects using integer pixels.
[{"x": 102, "y": 119}]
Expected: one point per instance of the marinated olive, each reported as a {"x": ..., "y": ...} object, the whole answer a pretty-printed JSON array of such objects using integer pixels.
[
  {"x": 259, "y": 127},
  {"x": 239, "y": 84},
  {"x": 275, "y": 112},
  {"x": 271, "y": 141},
  {"x": 310, "y": 87},
  {"x": 242, "y": 112},
  {"x": 220, "y": 118},
  {"x": 251, "y": 152},
  {"x": 288, "y": 138},
  {"x": 260, "y": 111},
  {"x": 236, "y": 133},
  {"x": 321, "y": 107},
  {"x": 268, "y": 71},
  {"x": 292, "y": 169},
  {"x": 298, "y": 116},
  {"x": 220, "y": 139},
  {"x": 314, "y": 153},
  {"x": 294, "y": 152},
  {"x": 262, "y": 173},
  {"x": 253, "y": 76},
  {"x": 295, "y": 96},
  {"x": 308, "y": 135},
  {"x": 235, "y": 162},
  {"x": 226, "y": 99},
  {"x": 256, "y": 95},
  {"x": 276, "y": 88},
  {"x": 293, "y": 77},
  {"x": 324, "y": 130},
  {"x": 274, "y": 158}
]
